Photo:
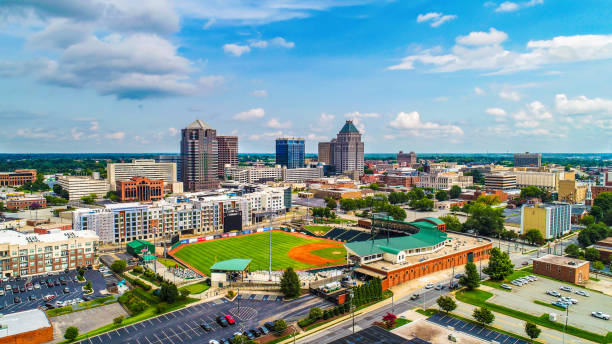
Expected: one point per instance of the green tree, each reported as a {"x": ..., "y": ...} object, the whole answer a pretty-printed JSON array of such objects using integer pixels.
[
  {"x": 118, "y": 266},
  {"x": 452, "y": 223},
  {"x": 455, "y": 208},
  {"x": 374, "y": 186},
  {"x": 112, "y": 195},
  {"x": 168, "y": 292},
  {"x": 534, "y": 236},
  {"x": 185, "y": 293},
  {"x": 596, "y": 212},
  {"x": 483, "y": 316},
  {"x": 573, "y": 250},
  {"x": 455, "y": 191},
  {"x": 290, "y": 284},
  {"x": 331, "y": 203},
  {"x": 423, "y": 204},
  {"x": 532, "y": 330},
  {"x": 71, "y": 333},
  {"x": 446, "y": 303},
  {"x": 441, "y": 195},
  {"x": 484, "y": 219},
  {"x": 603, "y": 201},
  {"x": 587, "y": 220},
  {"x": 499, "y": 266},
  {"x": 280, "y": 326},
  {"x": 607, "y": 218},
  {"x": 315, "y": 313},
  {"x": 591, "y": 254},
  {"x": 471, "y": 278},
  {"x": 396, "y": 212},
  {"x": 598, "y": 266}
]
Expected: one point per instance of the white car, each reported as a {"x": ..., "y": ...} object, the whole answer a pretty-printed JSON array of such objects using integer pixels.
[
  {"x": 601, "y": 315},
  {"x": 429, "y": 285},
  {"x": 505, "y": 286},
  {"x": 581, "y": 293},
  {"x": 36, "y": 286},
  {"x": 553, "y": 293},
  {"x": 566, "y": 288}
]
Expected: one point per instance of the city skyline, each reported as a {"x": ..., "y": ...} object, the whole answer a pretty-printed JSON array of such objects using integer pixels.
[{"x": 107, "y": 76}]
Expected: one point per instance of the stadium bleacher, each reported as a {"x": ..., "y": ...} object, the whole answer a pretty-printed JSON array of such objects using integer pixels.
[
  {"x": 334, "y": 233},
  {"x": 350, "y": 235}
]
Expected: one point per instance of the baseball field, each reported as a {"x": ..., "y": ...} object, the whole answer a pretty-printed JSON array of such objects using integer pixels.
[{"x": 288, "y": 250}]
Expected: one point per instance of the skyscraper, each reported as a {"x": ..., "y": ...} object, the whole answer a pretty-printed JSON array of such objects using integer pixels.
[
  {"x": 527, "y": 159},
  {"x": 290, "y": 152},
  {"x": 346, "y": 151},
  {"x": 228, "y": 153},
  {"x": 325, "y": 153},
  {"x": 199, "y": 152},
  {"x": 406, "y": 159}
]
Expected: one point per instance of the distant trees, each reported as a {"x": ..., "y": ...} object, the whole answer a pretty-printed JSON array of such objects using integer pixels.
[
  {"x": 323, "y": 212},
  {"x": 331, "y": 203},
  {"x": 593, "y": 233},
  {"x": 483, "y": 219},
  {"x": 535, "y": 192},
  {"x": 441, "y": 195},
  {"x": 423, "y": 204}
]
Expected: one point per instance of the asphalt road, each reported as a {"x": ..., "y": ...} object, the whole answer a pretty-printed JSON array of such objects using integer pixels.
[
  {"x": 8, "y": 305},
  {"x": 183, "y": 326}
]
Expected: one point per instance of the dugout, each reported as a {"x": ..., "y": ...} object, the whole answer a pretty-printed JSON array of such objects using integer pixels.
[{"x": 227, "y": 271}]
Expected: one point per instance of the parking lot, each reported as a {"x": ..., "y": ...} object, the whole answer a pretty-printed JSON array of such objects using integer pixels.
[
  {"x": 183, "y": 326},
  {"x": 474, "y": 330},
  {"x": 522, "y": 299},
  {"x": 32, "y": 297}
]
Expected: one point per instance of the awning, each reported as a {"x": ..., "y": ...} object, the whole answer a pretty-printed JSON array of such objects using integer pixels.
[{"x": 371, "y": 273}]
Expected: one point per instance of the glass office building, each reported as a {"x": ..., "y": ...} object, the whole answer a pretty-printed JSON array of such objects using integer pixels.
[{"x": 290, "y": 152}]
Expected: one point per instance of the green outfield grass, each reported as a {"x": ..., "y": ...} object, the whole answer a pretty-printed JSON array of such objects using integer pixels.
[
  {"x": 317, "y": 229},
  {"x": 255, "y": 247},
  {"x": 330, "y": 252}
]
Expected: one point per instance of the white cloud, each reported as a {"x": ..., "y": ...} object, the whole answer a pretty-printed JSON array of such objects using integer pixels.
[
  {"x": 527, "y": 124},
  {"x": 249, "y": 115},
  {"x": 36, "y": 133},
  {"x": 582, "y": 105},
  {"x": 479, "y": 91},
  {"x": 267, "y": 135},
  {"x": 173, "y": 131},
  {"x": 483, "y": 51},
  {"x": 493, "y": 37},
  {"x": 510, "y": 95},
  {"x": 94, "y": 126},
  {"x": 324, "y": 123},
  {"x": 357, "y": 115},
  {"x": 281, "y": 42},
  {"x": 117, "y": 135},
  {"x": 389, "y": 137},
  {"x": 209, "y": 23},
  {"x": 436, "y": 19},
  {"x": 274, "y": 123},
  {"x": 498, "y": 112},
  {"x": 538, "y": 110},
  {"x": 259, "y": 93},
  {"x": 412, "y": 122},
  {"x": 315, "y": 137},
  {"x": 236, "y": 49},
  {"x": 509, "y": 6},
  {"x": 211, "y": 81}
]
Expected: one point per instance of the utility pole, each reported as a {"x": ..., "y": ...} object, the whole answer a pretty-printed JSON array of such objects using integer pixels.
[
  {"x": 270, "y": 248},
  {"x": 352, "y": 293}
]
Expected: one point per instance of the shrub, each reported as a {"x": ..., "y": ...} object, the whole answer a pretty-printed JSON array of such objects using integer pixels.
[
  {"x": 279, "y": 327},
  {"x": 185, "y": 293},
  {"x": 137, "y": 270},
  {"x": 230, "y": 294},
  {"x": 325, "y": 314},
  {"x": 336, "y": 310},
  {"x": 161, "y": 307},
  {"x": 315, "y": 313},
  {"x": 118, "y": 266},
  {"x": 71, "y": 333},
  {"x": 118, "y": 320}
]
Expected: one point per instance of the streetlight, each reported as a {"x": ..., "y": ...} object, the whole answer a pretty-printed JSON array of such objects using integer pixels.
[
  {"x": 352, "y": 293},
  {"x": 565, "y": 325}
]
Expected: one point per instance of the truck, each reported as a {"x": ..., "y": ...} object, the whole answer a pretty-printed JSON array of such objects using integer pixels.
[{"x": 330, "y": 287}]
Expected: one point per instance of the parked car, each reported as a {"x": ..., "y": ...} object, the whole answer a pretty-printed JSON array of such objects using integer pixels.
[
  {"x": 1, "y": 292},
  {"x": 581, "y": 293},
  {"x": 8, "y": 287},
  {"x": 439, "y": 287},
  {"x": 269, "y": 325},
  {"x": 505, "y": 286},
  {"x": 48, "y": 297},
  {"x": 566, "y": 288},
  {"x": 15, "y": 289},
  {"x": 17, "y": 299},
  {"x": 525, "y": 263},
  {"x": 248, "y": 334},
  {"x": 414, "y": 296},
  {"x": 206, "y": 327},
  {"x": 66, "y": 290},
  {"x": 458, "y": 276},
  {"x": 222, "y": 322},
  {"x": 553, "y": 293},
  {"x": 32, "y": 298},
  {"x": 263, "y": 330},
  {"x": 560, "y": 304},
  {"x": 601, "y": 315},
  {"x": 429, "y": 285},
  {"x": 212, "y": 341},
  {"x": 37, "y": 286},
  {"x": 230, "y": 319},
  {"x": 22, "y": 288}
]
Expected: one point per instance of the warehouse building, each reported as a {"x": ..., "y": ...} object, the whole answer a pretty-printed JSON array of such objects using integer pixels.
[{"x": 26, "y": 327}]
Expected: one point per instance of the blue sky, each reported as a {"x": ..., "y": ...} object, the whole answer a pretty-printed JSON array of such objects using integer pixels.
[{"x": 429, "y": 76}]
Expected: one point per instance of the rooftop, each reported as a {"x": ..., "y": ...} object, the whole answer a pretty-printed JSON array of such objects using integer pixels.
[
  {"x": 198, "y": 124},
  {"x": 21, "y": 322},
  {"x": 349, "y": 127},
  {"x": 17, "y": 238},
  {"x": 560, "y": 260},
  {"x": 231, "y": 265}
]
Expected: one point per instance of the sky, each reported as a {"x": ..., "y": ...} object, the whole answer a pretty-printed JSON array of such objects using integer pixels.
[{"x": 429, "y": 76}]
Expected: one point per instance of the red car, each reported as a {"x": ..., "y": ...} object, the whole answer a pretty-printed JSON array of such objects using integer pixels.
[
  {"x": 230, "y": 319},
  {"x": 29, "y": 284}
]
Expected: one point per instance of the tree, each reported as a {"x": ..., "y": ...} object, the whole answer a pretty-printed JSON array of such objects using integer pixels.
[
  {"x": 573, "y": 250},
  {"x": 118, "y": 266},
  {"x": 499, "y": 266},
  {"x": 452, "y": 223},
  {"x": 477, "y": 176},
  {"x": 446, "y": 303},
  {"x": 396, "y": 212},
  {"x": 471, "y": 278},
  {"x": 534, "y": 236},
  {"x": 423, "y": 204},
  {"x": 290, "y": 284},
  {"x": 441, "y": 195},
  {"x": 389, "y": 320},
  {"x": 587, "y": 220},
  {"x": 596, "y": 212},
  {"x": 455, "y": 208},
  {"x": 603, "y": 201},
  {"x": 71, "y": 333},
  {"x": 35, "y": 206},
  {"x": 331, "y": 203},
  {"x": 88, "y": 286},
  {"x": 484, "y": 219},
  {"x": 488, "y": 199},
  {"x": 280, "y": 326},
  {"x": 168, "y": 292},
  {"x": 591, "y": 254},
  {"x": 483, "y": 316},
  {"x": 455, "y": 191},
  {"x": 185, "y": 293},
  {"x": 532, "y": 330},
  {"x": 598, "y": 266},
  {"x": 374, "y": 186},
  {"x": 315, "y": 313},
  {"x": 112, "y": 195},
  {"x": 607, "y": 218}
]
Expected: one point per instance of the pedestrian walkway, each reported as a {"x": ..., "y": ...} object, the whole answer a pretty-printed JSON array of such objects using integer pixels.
[{"x": 513, "y": 325}]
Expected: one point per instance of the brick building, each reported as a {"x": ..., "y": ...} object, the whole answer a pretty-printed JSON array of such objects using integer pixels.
[
  {"x": 565, "y": 269},
  {"x": 604, "y": 247},
  {"x": 140, "y": 189},
  {"x": 25, "y": 202},
  {"x": 17, "y": 178},
  {"x": 406, "y": 159},
  {"x": 26, "y": 327},
  {"x": 400, "y": 180}
]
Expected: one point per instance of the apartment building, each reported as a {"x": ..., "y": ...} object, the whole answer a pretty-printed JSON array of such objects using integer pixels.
[
  {"x": 551, "y": 219},
  {"x": 546, "y": 180},
  {"x": 572, "y": 191},
  {"x": 445, "y": 180},
  {"x": 249, "y": 175},
  {"x": 23, "y": 254},
  {"x": 147, "y": 168},
  {"x": 17, "y": 177},
  {"x": 79, "y": 186},
  {"x": 406, "y": 159},
  {"x": 25, "y": 202},
  {"x": 500, "y": 181}
]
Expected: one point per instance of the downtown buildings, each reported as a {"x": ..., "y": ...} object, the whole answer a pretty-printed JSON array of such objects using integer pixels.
[
  {"x": 527, "y": 159},
  {"x": 17, "y": 177},
  {"x": 345, "y": 152},
  {"x": 290, "y": 152},
  {"x": 166, "y": 172}
]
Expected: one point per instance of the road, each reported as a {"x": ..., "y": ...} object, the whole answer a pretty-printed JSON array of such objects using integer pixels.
[{"x": 427, "y": 299}]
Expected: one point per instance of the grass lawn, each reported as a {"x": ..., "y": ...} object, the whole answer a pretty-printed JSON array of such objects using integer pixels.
[
  {"x": 86, "y": 305},
  {"x": 427, "y": 312},
  {"x": 516, "y": 274},
  {"x": 330, "y": 252},
  {"x": 550, "y": 305},
  {"x": 318, "y": 229},
  {"x": 169, "y": 263},
  {"x": 196, "y": 288},
  {"x": 400, "y": 322},
  {"x": 254, "y": 246}
]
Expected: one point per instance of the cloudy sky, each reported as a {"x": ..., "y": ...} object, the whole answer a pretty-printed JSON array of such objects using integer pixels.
[{"x": 429, "y": 76}]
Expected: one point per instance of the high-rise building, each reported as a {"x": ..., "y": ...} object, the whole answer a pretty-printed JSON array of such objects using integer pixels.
[
  {"x": 346, "y": 150},
  {"x": 527, "y": 159},
  {"x": 325, "y": 153},
  {"x": 146, "y": 168},
  {"x": 500, "y": 181},
  {"x": 199, "y": 152},
  {"x": 406, "y": 159},
  {"x": 228, "y": 153},
  {"x": 552, "y": 219},
  {"x": 290, "y": 152}
]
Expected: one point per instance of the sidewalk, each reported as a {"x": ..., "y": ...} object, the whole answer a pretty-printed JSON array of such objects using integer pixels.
[{"x": 517, "y": 326}]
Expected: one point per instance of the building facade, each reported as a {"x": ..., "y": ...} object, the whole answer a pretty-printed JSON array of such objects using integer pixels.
[
  {"x": 565, "y": 269},
  {"x": 25, "y": 202},
  {"x": 140, "y": 189},
  {"x": 175, "y": 159},
  {"x": 347, "y": 150},
  {"x": 571, "y": 191},
  {"x": 552, "y": 219},
  {"x": 406, "y": 159},
  {"x": 147, "y": 168},
  {"x": 400, "y": 180},
  {"x": 252, "y": 174},
  {"x": 290, "y": 152},
  {"x": 500, "y": 181},
  {"x": 228, "y": 153},
  {"x": 199, "y": 154},
  {"x": 79, "y": 186},
  {"x": 527, "y": 159},
  {"x": 445, "y": 181},
  {"x": 546, "y": 180},
  {"x": 325, "y": 153},
  {"x": 24, "y": 254},
  {"x": 17, "y": 177}
]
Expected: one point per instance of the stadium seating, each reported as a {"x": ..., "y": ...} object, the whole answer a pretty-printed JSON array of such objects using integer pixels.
[{"x": 334, "y": 233}]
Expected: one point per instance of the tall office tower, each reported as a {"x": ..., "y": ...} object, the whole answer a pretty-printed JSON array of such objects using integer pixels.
[
  {"x": 325, "y": 153},
  {"x": 290, "y": 152},
  {"x": 348, "y": 149},
  {"x": 199, "y": 152},
  {"x": 228, "y": 153},
  {"x": 527, "y": 159},
  {"x": 406, "y": 159}
]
